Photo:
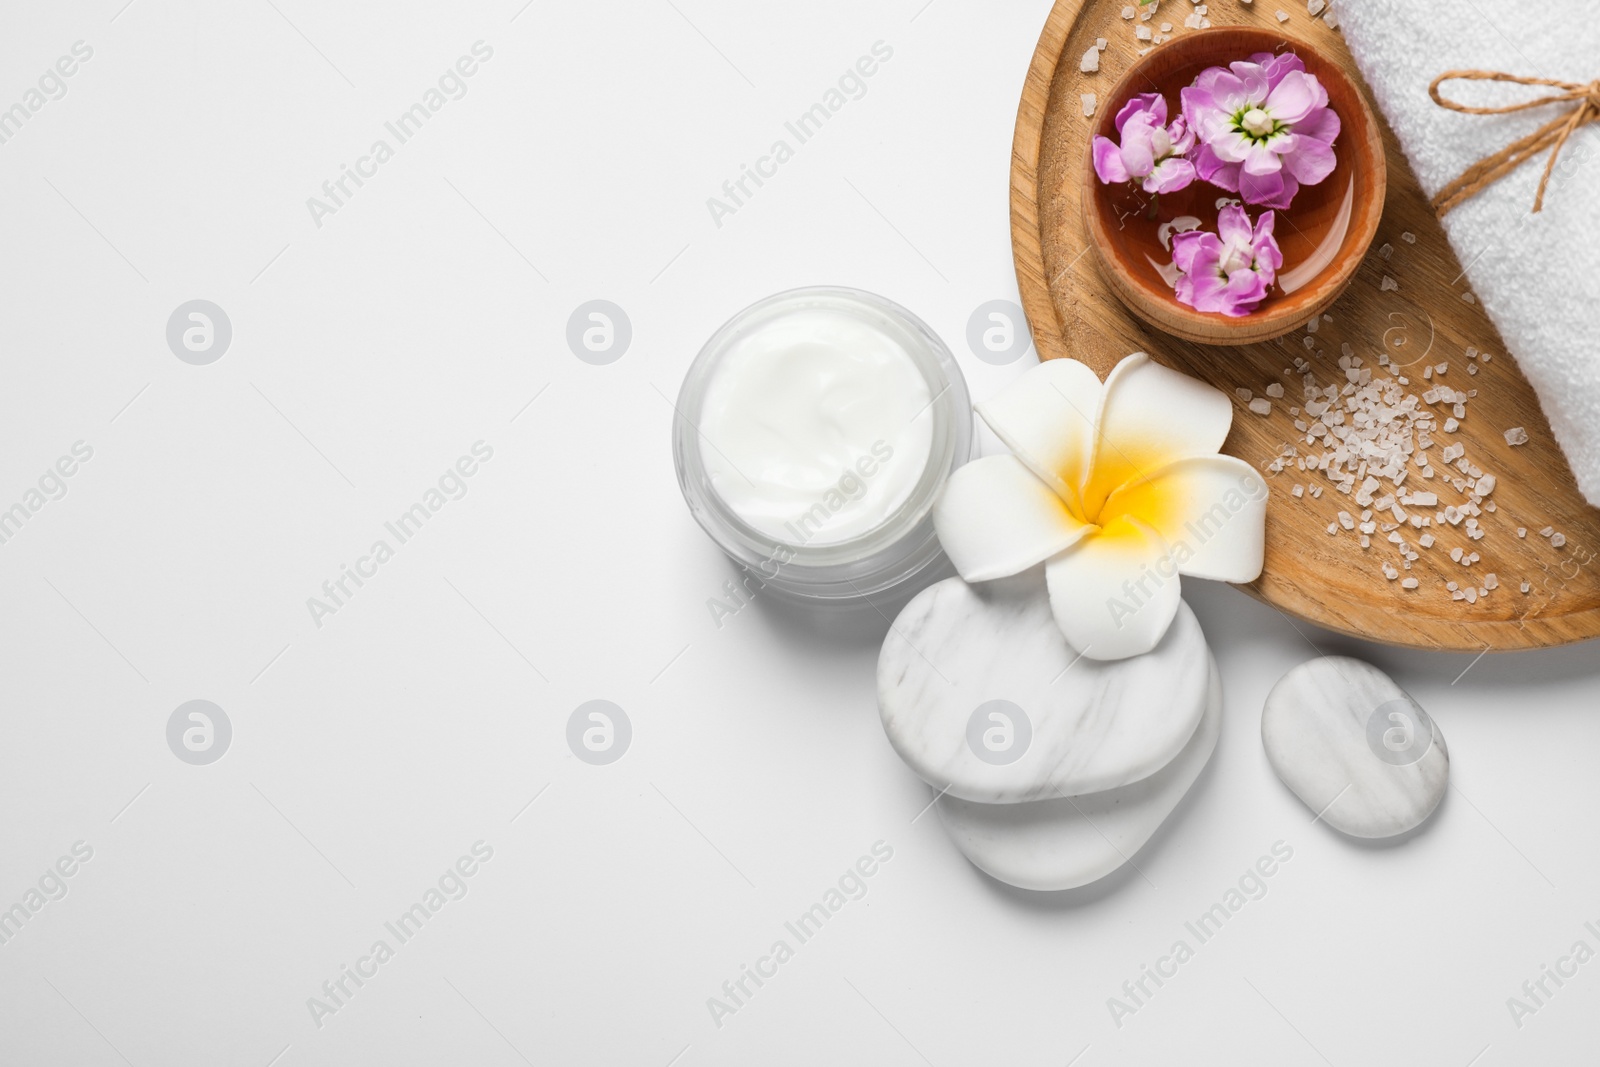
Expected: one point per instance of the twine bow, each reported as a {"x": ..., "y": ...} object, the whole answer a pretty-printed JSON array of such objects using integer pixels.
[{"x": 1552, "y": 135}]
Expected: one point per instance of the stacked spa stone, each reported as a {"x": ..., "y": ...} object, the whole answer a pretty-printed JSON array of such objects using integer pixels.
[{"x": 1051, "y": 768}]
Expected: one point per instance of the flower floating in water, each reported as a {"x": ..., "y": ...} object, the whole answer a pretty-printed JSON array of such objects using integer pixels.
[
  {"x": 1230, "y": 270},
  {"x": 1264, "y": 126},
  {"x": 1152, "y": 152},
  {"x": 1117, "y": 489}
]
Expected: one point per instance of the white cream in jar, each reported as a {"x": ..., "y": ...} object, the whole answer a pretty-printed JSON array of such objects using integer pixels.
[
  {"x": 812, "y": 434},
  {"x": 815, "y": 426}
]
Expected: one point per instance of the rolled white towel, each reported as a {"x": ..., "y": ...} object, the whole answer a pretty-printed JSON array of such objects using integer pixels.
[{"x": 1538, "y": 276}]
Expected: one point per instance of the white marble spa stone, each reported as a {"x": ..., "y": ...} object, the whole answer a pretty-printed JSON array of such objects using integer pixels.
[
  {"x": 1065, "y": 843},
  {"x": 967, "y": 667},
  {"x": 1355, "y": 747}
]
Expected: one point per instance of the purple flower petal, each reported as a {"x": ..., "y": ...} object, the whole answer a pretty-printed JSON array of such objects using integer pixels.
[
  {"x": 1268, "y": 190},
  {"x": 1321, "y": 125},
  {"x": 1260, "y": 159},
  {"x": 1138, "y": 151},
  {"x": 1150, "y": 104},
  {"x": 1234, "y": 225},
  {"x": 1294, "y": 97},
  {"x": 1108, "y": 162},
  {"x": 1182, "y": 136},
  {"x": 1254, "y": 79},
  {"x": 1276, "y": 66},
  {"x": 1211, "y": 169},
  {"x": 1204, "y": 290},
  {"x": 1170, "y": 175},
  {"x": 1310, "y": 161},
  {"x": 1228, "y": 91},
  {"x": 1231, "y": 146},
  {"x": 1269, "y": 257},
  {"x": 1201, "y": 113},
  {"x": 1194, "y": 249}
]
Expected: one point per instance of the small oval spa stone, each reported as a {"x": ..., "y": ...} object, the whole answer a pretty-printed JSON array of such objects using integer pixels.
[
  {"x": 1354, "y": 746},
  {"x": 1061, "y": 844},
  {"x": 1093, "y": 724}
]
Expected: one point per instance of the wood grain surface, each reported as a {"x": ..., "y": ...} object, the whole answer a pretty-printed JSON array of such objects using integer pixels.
[{"x": 1430, "y": 318}]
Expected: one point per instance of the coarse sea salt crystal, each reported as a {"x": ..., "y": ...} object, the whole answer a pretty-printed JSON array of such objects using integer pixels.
[
  {"x": 1386, "y": 250},
  {"x": 1275, "y": 390},
  {"x": 1557, "y": 540},
  {"x": 1388, "y": 284},
  {"x": 1516, "y": 436},
  {"x": 1315, "y": 7},
  {"x": 1491, "y": 580},
  {"x": 1261, "y": 406},
  {"x": 1089, "y": 102},
  {"x": 1091, "y": 61},
  {"x": 1100, "y": 43},
  {"x": 1526, "y": 587},
  {"x": 1409, "y": 583},
  {"x": 1142, "y": 32},
  {"x": 1409, "y": 238},
  {"x": 1547, "y": 531},
  {"x": 1283, "y": 16},
  {"x": 1128, "y": 12},
  {"x": 1298, "y": 491}
]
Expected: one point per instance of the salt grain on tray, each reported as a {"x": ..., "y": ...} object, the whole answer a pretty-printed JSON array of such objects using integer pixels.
[
  {"x": 1089, "y": 102},
  {"x": 1516, "y": 436},
  {"x": 1373, "y": 433}
]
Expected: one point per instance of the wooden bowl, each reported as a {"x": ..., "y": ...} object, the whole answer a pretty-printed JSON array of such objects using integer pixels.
[{"x": 1324, "y": 233}]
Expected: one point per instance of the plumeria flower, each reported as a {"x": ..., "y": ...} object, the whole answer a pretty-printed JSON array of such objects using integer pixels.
[
  {"x": 1264, "y": 126},
  {"x": 1151, "y": 152},
  {"x": 1116, "y": 489},
  {"x": 1230, "y": 270}
]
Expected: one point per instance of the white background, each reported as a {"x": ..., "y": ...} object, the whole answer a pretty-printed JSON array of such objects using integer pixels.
[{"x": 372, "y": 751}]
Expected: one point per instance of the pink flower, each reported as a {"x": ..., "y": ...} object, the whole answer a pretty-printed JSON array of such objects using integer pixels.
[
  {"x": 1151, "y": 151},
  {"x": 1265, "y": 128},
  {"x": 1227, "y": 271}
]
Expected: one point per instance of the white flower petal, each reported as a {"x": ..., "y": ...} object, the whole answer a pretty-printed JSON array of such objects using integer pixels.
[
  {"x": 1210, "y": 510},
  {"x": 994, "y": 518},
  {"x": 1046, "y": 417},
  {"x": 1150, "y": 417},
  {"x": 1115, "y": 592}
]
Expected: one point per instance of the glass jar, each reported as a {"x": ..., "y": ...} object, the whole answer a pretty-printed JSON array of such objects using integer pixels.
[{"x": 899, "y": 545}]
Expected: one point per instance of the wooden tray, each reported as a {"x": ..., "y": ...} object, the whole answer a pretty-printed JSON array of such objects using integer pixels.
[{"x": 1327, "y": 580}]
